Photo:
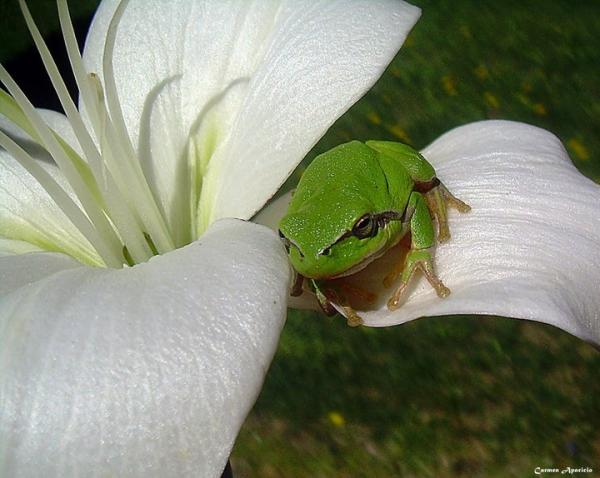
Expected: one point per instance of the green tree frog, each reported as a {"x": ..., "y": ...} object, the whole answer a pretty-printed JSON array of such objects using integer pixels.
[{"x": 352, "y": 204}]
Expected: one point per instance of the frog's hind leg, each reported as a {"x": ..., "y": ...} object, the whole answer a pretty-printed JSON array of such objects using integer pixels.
[
  {"x": 419, "y": 256},
  {"x": 327, "y": 297},
  {"x": 426, "y": 182}
]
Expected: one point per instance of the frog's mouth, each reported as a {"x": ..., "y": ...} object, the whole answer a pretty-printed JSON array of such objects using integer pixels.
[
  {"x": 287, "y": 243},
  {"x": 362, "y": 264}
]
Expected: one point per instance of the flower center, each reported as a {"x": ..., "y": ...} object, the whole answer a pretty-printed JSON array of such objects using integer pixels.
[{"x": 109, "y": 199}]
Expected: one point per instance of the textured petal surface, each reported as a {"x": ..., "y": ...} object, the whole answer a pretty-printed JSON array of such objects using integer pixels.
[
  {"x": 530, "y": 247},
  {"x": 22, "y": 269},
  {"x": 146, "y": 371},
  {"x": 240, "y": 90},
  {"x": 27, "y": 213}
]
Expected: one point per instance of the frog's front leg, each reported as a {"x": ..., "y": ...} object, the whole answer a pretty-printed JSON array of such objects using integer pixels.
[
  {"x": 419, "y": 256},
  {"x": 327, "y": 297},
  {"x": 437, "y": 198},
  {"x": 426, "y": 182}
]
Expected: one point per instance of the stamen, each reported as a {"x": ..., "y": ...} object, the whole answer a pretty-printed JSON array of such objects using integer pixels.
[
  {"x": 69, "y": 170},
  {"x": 122, "y": 211},
  {"x": 112, "y": 97},
  {"x": 150, "y": 214},
  {"x": 61, "y": 198},
  {"x": 81, "y": 77},
  {"x": 118, "y": 212},
  {"x": 81, "y": 132},
  {"x": 127, "y": 224},
  {"x": 115, "y": 203},
  {"x": 112, "y": 156}
]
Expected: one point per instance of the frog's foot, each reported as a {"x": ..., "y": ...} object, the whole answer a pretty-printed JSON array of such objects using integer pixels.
[
  {"x": 422, "y": 260},
  {"x": 327, "y": 297},
  {"x": 322, "y": 298},
  {"x": 352, "y": 318},
  {"x": 438, "y": 198}
]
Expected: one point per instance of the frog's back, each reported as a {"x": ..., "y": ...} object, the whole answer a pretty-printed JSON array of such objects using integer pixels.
[{"x": 357, "y": 170}]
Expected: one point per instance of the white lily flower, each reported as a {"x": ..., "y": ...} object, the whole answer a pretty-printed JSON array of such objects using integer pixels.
[
  {"x": 190, "y": 111},
  {"x": 529, "y": 248}
]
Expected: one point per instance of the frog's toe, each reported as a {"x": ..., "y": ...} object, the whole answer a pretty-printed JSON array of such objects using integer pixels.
[
  {"x": 443, "y": 231},
  {"x": 395, "y": 301},
  {"x": 438, "y": 200},
  {"x": 427, "y": 268},
  {"x": 335, "y": 302},
  {"x": 442, "y": 291},
  {"x": 423, "y": 261},
  {"x": 352, "y": 318},
  {"x": 454, "y": 202}
]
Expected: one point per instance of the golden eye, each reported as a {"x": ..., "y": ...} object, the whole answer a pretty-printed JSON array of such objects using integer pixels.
[{"x": 365, "y": 227}]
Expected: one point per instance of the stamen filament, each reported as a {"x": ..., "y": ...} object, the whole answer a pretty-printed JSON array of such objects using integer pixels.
[
  {"x": 115, "y": 208},
  {"x": 152, "y": 216},
  {"x": 81, "y": 132},
  {"x": 124, "y": 218},
  {"x": 119, "y": 212},
  {"x": 81, "y": 77},
  {"x": 105, "y": 230},
  {"x": 61, "y": 198},
  {"x": 112, "y": 155}
]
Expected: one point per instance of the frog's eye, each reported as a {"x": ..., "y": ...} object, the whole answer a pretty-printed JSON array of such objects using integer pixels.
[{"x": 365, "y": 227}]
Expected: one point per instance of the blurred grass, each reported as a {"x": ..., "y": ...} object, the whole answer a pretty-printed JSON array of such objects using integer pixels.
[
  {"x": 453, "y": 396},
  {"x": 446, "y": 396}
]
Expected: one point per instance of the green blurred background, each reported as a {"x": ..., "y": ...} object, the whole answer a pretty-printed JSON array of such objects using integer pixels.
[{"x": 446, "y": 396}]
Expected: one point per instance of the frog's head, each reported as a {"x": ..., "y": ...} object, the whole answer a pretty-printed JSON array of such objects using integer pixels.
[{"x": 334, "y": 235}]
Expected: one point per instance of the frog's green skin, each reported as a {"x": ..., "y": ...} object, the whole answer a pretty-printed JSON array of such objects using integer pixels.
[{"x": 326, "y": 229}]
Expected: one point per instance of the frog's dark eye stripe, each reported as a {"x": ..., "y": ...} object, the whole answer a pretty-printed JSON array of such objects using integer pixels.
[
  {"x": 367, "y": 226},
  {"x": 384, "y": 218}
]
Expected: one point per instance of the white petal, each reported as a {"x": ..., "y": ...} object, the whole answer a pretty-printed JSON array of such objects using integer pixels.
[
  {"x": 530, "y": 247},
  {"x": 9, "y": 247},
  {"x": 269, "y": 216},
  {"x": 146, "y": 371},
  {"x": 261, "y": 80},
  {"x": 17, "y": 271},
  {"x": 27, "y": 213}
]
